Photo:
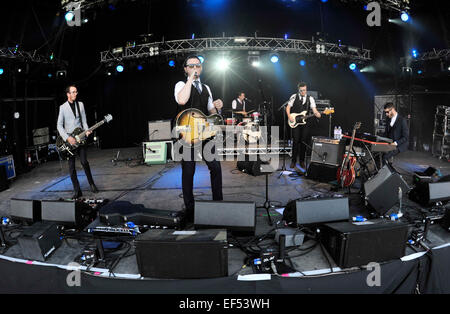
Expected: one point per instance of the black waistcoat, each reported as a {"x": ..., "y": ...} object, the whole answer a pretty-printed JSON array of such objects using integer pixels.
[
  {"x": 298, "y": 106},
  {"x": 199, "y": 101}
]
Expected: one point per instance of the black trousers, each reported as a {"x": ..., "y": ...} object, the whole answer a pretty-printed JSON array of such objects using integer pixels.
[
  {"x": 188, "y": 171},
  {"x": 300, "y": 135},
  {"x": 73, "y": 172},
  {"x": 387, "y": 156}
]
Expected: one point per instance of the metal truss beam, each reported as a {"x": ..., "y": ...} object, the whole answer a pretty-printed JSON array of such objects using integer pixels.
[
  {"x": 432, "y": 55},
  {"x": 13, "y": 53},
  {"x": 236, "y": 44}
]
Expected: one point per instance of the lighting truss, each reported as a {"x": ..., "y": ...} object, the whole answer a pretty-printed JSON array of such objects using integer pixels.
[
  {"x": 392, "y": 5},
  {"x": 432, "y": 55},
  {"x": 14, "y": 53},
  {"x": 238, "y": 44}
]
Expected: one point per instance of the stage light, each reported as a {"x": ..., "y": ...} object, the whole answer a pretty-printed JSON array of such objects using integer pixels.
[
  {"x": 419, "y": 72},
  {"x": 324, "y": 1},
  {"x": 1, "y": 71},
  {"x": 69, "y": 16},
  {"x": 119, "y": 68},
  {"x": 414, "y": 53},
  {"x": 172, "y": 63},
  {"x": 302, "y": 63},
  {"x": 335, "y": 66},
  {"x": 193, "y": 36},
  {"x": 49, "y": 75},
  {"x": 404, "y": 16},
  {"x": 256, "y": 63},
  {"x": 352, "y": 66},
  {"x": 274, "y": 58},
  {"x": 140, "y": 67},
  {"x": 202, "y": 59},
  {"x": 223, "y": 64},
  {"x": 448, "y": 68},
  {"x": 286, "y": 36}
]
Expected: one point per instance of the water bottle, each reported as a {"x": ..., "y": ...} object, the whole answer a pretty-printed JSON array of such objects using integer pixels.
[
  {"x": 339, "y": 133},
  {"x": 335, "y": 132}
]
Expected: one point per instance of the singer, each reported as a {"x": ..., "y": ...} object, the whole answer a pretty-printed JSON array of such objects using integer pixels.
[
  {"x": 196, "y": 95},
  {"x": 239, "y": 103}
]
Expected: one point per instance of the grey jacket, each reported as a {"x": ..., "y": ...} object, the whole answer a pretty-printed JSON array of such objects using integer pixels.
[{"x": 67, "y": 122}]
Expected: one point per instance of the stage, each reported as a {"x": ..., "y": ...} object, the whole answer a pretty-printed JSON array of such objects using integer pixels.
[{"x": 159, "y": 187}]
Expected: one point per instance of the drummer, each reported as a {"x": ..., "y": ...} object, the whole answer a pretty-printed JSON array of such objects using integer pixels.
[{"x": 239, "y": 104}]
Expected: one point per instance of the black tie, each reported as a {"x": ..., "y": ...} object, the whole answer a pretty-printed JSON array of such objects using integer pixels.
[{"x": 196, "y": 84}]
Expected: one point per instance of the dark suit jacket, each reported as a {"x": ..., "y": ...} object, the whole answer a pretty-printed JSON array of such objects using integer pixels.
[{"x": 399, "y": 132}]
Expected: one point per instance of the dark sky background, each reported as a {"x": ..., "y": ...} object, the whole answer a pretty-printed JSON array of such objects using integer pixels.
[{"x": 134, "y": 98}]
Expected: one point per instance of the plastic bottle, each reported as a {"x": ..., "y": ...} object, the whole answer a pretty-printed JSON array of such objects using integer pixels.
[
  {"x": 335, "y": 132},
  {"x": 339, "y": 133}
]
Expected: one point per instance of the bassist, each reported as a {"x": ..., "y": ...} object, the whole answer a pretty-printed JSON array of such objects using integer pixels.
[
  {"x": 71, "y": 116},
  {"x": 298, "y": 103}
]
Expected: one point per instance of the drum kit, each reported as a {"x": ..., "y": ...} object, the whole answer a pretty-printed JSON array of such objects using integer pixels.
[{"x": 248, "y": 124}]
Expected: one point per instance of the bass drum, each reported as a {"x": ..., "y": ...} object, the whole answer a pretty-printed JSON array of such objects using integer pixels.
[{"x": 251, "y": 132}]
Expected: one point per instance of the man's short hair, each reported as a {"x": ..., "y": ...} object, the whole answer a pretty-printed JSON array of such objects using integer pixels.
[
  {"x": 68, "y": 88},
  {"x": 240, "y": 93},
  {"x": 191, "y": 57},
  {"x": 301, "y": 84},
  {"x": 389, "y": 105}
]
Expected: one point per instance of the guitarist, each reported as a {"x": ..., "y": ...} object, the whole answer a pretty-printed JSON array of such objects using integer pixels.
[
  {"x": 72, "y": 116},
  {"x": 298, "y": 103},
  {"x": 194, "y": 94}
]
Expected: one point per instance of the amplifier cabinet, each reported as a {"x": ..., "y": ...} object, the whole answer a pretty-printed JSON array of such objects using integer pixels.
[{"x": 327, "y": 151}]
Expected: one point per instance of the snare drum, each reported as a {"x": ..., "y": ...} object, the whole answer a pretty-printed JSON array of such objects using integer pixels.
[
  {"x": 231, "y": 121},
  {"x": 256, "y": 116}
]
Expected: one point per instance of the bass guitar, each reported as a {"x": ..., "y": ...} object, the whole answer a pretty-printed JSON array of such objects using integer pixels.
[
  {"x": 346, "y": 172},
  {"x": 66, "y": 149},
  {"x": 300, "y": 118},
  {"x": 194, "y": 126}
]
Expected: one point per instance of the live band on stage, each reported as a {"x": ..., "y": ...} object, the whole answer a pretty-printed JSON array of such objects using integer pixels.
[{"x": 201, "y": 119}]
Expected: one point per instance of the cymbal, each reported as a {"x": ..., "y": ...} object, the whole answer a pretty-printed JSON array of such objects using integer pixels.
[{"x": 243, "y": 112}]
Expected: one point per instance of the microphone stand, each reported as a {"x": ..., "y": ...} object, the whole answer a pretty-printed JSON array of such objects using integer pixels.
[{"x": 283, "y": 168}]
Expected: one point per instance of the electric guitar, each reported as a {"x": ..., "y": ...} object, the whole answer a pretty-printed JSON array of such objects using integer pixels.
[
  {"x": 346, "y": 172},
  {"x": 67, "y": 149},
  {"x": 300, "y": 118},
  {"x": 194, "y": 126}
]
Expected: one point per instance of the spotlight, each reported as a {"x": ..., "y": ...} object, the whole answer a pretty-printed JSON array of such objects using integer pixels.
[
  {"x": 119, "y": 68},
  {"x": 352, "y": 66},
  {"x": 404, "y": 16},
  {"x": 140, "y": 67},
  {"x": 335, "y": 66},
  {"x": 419, "y": 72},
  {"x": 172, "y": 63},
  {"x": 202, "y": 59},
  {"x": 69, "y": 16},
  {"x": 285, "y": 36},
  {"x": 324, "y": 1},
  {"x": 223, "y": 64},
  {"x": 448, "y": 68},
  {"x": 1, "y": 71},
  {"x": 50, "y": 75},
  {"x": 274, "y": 58},
  {"x": 414, "y": 53},
  {"x": 193, "y": 36},
  {"x": 256, "y": 63},
  {"x": 302, "y": 63}
]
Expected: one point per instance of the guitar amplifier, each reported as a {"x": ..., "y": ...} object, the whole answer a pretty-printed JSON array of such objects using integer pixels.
[
  {"x": 159, "y": 130},
  {"x": 155, "y": 153},
  {"x": 327, "y": 151}
]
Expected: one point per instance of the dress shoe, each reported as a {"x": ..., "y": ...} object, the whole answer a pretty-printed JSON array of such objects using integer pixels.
[
  {"x": 292, "y": 166},
  {"x": 77, "y": 194},
  {"x": 94, "y": 188},
  {"x": 302, "y": 165}
]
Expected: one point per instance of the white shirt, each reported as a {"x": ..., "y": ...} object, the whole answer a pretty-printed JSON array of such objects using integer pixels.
[
  {"x": 179, "y": 86},
  {"x": 392, "y": 123},
  {"x": 234, "y": 104},
  {"x": 311, "y": 100},
  {"x": 393, "y": 119}
]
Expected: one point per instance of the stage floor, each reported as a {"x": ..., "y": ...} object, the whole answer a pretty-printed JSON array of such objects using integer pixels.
[{"x": 159, "y": 187}]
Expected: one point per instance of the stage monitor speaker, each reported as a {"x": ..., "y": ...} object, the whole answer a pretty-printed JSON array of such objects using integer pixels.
[
  {"x": 39, "y": 241},
  {"x": 327, "y": 151},
  {"x": 445, "y": 222},
  {"x": 155, "y": 153},
  {"x": 182, "y": 254},
  {"x": 238, "y": 217},
  {"x": 4, "y": 185},
  {"x": 426, "y": 193},
  {"x": 359, "y": 243},
  {"x": 321, "y": 172},
  {"x": 382, "y": 190},
  {"x": 68, "y": 213},
  {"x": 159, "y": 130},
  {"x": 28, "y": 211},
  {"x": 317, "y": 211}
]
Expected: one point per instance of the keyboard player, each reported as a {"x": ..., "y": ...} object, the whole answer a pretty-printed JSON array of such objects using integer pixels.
[{"x": 397, "y": 130}]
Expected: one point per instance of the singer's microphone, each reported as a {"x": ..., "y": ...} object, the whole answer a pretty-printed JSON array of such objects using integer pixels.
[
  {"x": 195, "y": 75},
  {"x": 247, "y": 99}
]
